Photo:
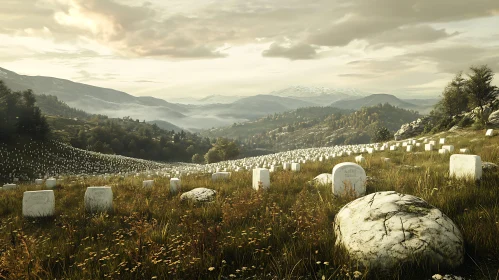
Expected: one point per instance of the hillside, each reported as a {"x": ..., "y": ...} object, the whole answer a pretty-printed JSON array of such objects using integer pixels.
[
  {"x": 315, "y": 127},
  {"x": 151, "y": 234},
  {"x": 374, "y": 99}
]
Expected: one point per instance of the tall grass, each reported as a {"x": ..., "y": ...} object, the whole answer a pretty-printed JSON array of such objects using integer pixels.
[{"x": 283, "y": 233}]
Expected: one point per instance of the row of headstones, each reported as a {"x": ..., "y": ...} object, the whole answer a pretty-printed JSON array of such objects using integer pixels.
[{"x": 347, "y": 178}]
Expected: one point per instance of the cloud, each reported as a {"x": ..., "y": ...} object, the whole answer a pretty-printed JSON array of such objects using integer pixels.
[
  {"x": 410, "y": 35},
  {"x": 294, "y": 52}
]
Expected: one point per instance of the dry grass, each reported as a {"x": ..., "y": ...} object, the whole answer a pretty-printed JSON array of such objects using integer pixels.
[{"x": 283, "y": 233}]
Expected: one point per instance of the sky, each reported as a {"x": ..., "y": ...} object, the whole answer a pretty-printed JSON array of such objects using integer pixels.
[{"x": 195, "y": 48}]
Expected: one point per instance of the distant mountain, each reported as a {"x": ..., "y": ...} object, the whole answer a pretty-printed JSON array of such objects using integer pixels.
[
  {"x": 375, "y": 99},
  {"x": 318, "y": 95},
  {"x": 219, "y": 99}
]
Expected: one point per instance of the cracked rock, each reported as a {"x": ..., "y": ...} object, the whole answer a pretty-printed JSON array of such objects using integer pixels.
[
  {"x": 386, "y": 229},
  {"x": 199, "y": 195}
]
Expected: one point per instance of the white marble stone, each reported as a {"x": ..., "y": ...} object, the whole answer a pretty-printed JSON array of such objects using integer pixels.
[
  {"x": 295, "y": 167},
  {"x": 37, "y": 204},
  {"x": 464, "y": 151},
  {"x": 98, "y": 199},
  {"x": 218, "y": 176},
  {"x": 386, "y": 229},
  {"x": 393, "y": 148},
  {"x": 175, "y": 185},
  {"x": 465, "y": 166},
  {"x": 148, "y": 184},
  {"x": 449, "y": 148},
  {"x": 360, "y": 159},
  {"x": 261, "y": 179},
  {"x": 7, "y": 187},
  {"x": 490, "y": 132},
  {"x": 442, "y": 141},
  {"x": 428, "y": 147},
  {"x": 443, "y": 151},
  {"x": 39, "y": 182},
  {"x": 349, "y": 177},
  {"x": 286, "y": 166},
  {"x": 409, "y": 148}
]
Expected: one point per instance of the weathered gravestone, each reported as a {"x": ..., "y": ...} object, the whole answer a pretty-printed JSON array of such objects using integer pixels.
[
  {"x": 349, "y": 178},
  {"x": 51, "y": 183},
  {"x": 220, "y": 176},
  {"x": 38, "y": 204},
  {"x": 175, "y": 185},
  {"x": 295, "y": 166},
  {"x": 449, "y": 148},
  {"x": 148, "y": 184},
  {"x": 286, "y": 166},
  {"x": 360, "y": 159},
  {"x": 490, "y": 132},
  {"x": 7, "y": 187},
  {"x": 428, "y": 147},
  {"x": 98, "y": 199},
  {"x": 465, "y": 166},
  {"x": 261, "y": 178},
  {"x": 39, "y": 182}
]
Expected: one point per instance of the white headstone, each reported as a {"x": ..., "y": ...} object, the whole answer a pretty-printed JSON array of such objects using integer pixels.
[
  {"x": 9, "y": 187},
  {"x": 175, "y": 185},
  {"x": 360, "y": 159},
  {"x": 148, "y": 183},
  {"x": 286, "y": 166},
  {"x": 51, "y": 183},
  {"x": 220, "y": 176},
  {"x": 393, "y": 148},
  {"x": 295, "y": 167},
  {"x": 434, "y": 143},
  {"x": 409, "y": 148},
  {"x": 39, "y": 181},
  {"x": 464, "y": 151},
  {"x": 349, "y": 177},
  {"x": 449, "y": 148},
  {"x": 490, "y": 132},
  {"x": 98, "y": 199},
  {"x": 443, "y": 151},
  {"x": 465, "y": 166},
  {"x": 442, "y": 141},
  {"x": 261, "y": 178},
  {"x": 38, "y": 204},
  {"x": 428, "y": 147}
]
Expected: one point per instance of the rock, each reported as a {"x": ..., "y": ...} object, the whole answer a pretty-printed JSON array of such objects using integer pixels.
[
  {"x": 446, "y": 277},
  {"x": 412, "y": 129},
  {"x": 489, "y": 166},
  {"x": 323, "y": 179},
  {"x": 386, "y": 229},
  {"x": 494, "y": 119},
  {"x": 199, "y": 195}
]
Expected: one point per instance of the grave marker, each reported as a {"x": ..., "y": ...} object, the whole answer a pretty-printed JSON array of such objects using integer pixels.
[
  {"x": 98, "y": 199},
  {"x": 37, "y": 204},
  {"x": 261, "y": 178},
  {"x": 462, "y": 166},
  {"x": 349, "y": 177}
]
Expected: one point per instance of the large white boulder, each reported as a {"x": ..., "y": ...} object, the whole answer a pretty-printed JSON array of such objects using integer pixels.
[
  {"x": 37, "y": 204},
  {"x": 385, "y": 229},
  {"x": 199, "y": 195},
  {"x": 349, "y": 177}
]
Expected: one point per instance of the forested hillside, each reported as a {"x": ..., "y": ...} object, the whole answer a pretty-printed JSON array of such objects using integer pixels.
[{"x": 319, "y": 126}]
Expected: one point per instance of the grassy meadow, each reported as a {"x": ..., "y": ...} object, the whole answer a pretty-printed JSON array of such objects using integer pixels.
[{"x": 283, "y": 233}]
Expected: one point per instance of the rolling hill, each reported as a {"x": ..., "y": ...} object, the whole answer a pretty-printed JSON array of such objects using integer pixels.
[{"x": 374, "y": 99}]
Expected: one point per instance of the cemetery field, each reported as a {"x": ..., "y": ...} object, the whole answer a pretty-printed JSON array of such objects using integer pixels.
[{"x": 285, "y": 232}]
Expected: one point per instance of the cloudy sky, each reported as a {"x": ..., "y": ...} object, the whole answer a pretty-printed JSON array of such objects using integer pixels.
[{"x": 176, "y": 48}]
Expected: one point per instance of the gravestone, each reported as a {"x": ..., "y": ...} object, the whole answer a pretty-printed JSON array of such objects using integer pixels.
[
  {"x": 286, "y": 166},
  {"x": 386, "y": 160},
  {"x": 50, "y": 183},
  {"x": 428, "y": 147},
  {"x": 220, "y": 176},
  {"x": 148, "y": 184},
  {"x": 175, "y": 185},
  {"x": 443, "y": 151},
  {"x": 442, "y": 141},
  {"x": 449, "y": 148},
  {"x": 7, "y": 187},
  {"x": 39, "y": 182},
  {"x": 490, "y": 132},
  {"x": 409, "y": 148},
  {"x": 349, "y": 177},
  {"x": 465, "y": 166},
  {"x": 360, "y": 159},
  {"x": 37, "y": 204},
  {"x": 393, "y": 148},
  {"x": 464, "y": 151},
  {"x": 295, "y": 167},
  {"x": 98, "y": 199},
  {"x": 261, "y": 178}
]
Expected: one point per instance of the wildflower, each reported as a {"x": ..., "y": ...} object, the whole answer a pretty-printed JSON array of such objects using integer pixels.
[
  {"x": 357, "y": 274},
  {"x": 211, "y": 268},
  {"x": 318, "y": 262}
]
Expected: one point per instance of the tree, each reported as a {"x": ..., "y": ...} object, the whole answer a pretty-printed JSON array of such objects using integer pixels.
[
  {"x": 197, "y": 158},
  {"x": 382, "y": 134},
  {"x": 227, "y": 149},
  {"x": 479, "y": 89},
  {"x": 212, "y": 156},
  {"x": 455, "y": 99}
]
